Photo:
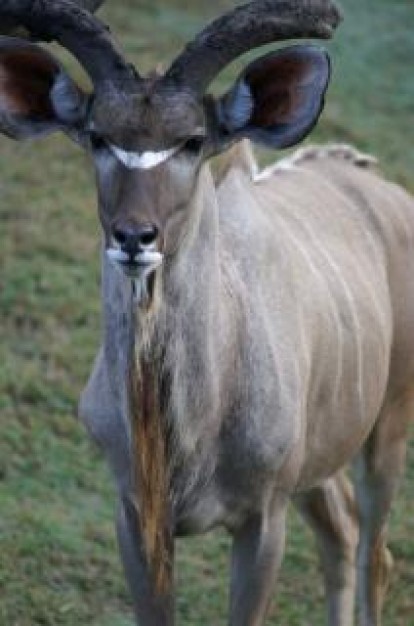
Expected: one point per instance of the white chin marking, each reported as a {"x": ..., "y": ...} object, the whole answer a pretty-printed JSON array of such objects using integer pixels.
[
  {"x": 140, "y": 266},
  {"x": 144, "y": 160},
  {"x": 149, "y": 258},
  {"x": 116, "y": 254}
]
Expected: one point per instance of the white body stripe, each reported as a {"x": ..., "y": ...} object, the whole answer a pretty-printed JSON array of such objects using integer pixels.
[{"x": 144, "y": 160}]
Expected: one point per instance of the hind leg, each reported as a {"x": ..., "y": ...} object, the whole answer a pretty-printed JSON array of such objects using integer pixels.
[
  {"x": 378, "y": 470},
  {"x": 330, "y": 511}
]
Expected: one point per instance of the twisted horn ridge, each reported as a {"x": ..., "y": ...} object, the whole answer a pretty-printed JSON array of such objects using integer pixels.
[
  {"x": 248, "y": 27},
  {"x": 75, "y": 28},
  {"x": 12, "y": 28}
]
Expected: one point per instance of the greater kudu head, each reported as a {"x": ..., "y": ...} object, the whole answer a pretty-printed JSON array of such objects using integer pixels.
[{"x": 149, "y": 135}]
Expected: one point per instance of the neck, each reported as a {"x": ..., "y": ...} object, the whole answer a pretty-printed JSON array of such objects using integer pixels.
[
  {"x": 168, "y": 355},
  {"x": 188, "y": 320}
]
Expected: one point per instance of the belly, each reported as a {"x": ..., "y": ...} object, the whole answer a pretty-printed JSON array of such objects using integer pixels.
[{"x": 337, "y": 425}]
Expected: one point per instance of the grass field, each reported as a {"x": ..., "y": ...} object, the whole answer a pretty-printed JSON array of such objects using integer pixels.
[{"x": 58, "y": 558}]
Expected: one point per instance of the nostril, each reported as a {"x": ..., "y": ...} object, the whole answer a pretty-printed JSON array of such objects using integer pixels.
[
  {"x": 120, "y": 236},
  {"x": 148, "y": 236},
  {"x": 135, "y": 238}
]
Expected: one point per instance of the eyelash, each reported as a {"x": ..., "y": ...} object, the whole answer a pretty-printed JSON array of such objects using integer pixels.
[
  {"x": 97, "y": 142},
  {"x": 193, "y": 145}
]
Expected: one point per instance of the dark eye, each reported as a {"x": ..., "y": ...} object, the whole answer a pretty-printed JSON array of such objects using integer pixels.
[
  {"x": 97, "y": 142},
  {"x": 194, "y": 145}
]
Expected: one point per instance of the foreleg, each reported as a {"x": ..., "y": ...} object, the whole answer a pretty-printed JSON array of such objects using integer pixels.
[
  {"x": 379, "y": 468},
  {"x": 151, "y": 608},
  {"x": 331, "y": 512},
  {"x": 256, "y": 556}
]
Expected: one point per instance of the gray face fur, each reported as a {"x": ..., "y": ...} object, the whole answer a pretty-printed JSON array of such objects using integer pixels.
[
  {"x": 147, "y": 146},
  {"x": 149, "y": 139}
]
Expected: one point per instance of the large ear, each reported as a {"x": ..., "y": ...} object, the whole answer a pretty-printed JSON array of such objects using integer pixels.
[
  {"x": 36, "y": 95},
  {"x": 277, "y": 99}
]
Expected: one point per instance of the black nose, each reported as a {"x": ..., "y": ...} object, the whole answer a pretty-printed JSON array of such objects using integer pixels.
[{"x": 135, "y": 238}]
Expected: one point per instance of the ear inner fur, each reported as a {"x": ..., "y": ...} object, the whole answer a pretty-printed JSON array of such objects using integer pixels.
[
  {"x": 282, "y": 84},
  {"x": 24, "y": 72},
  {"x": 287, "y": 89}
]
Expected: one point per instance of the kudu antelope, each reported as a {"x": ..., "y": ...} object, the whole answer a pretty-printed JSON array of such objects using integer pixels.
[{"x": 259, "y": 329}]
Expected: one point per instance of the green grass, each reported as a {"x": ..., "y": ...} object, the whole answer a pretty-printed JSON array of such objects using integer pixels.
[{"x": 58, "y": 559}]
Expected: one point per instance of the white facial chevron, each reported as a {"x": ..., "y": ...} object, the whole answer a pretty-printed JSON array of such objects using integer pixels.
[{"x": 144, "y": 160}]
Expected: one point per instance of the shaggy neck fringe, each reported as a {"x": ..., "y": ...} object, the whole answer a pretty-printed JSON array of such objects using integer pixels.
[{"x": 151, "y": 470}]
